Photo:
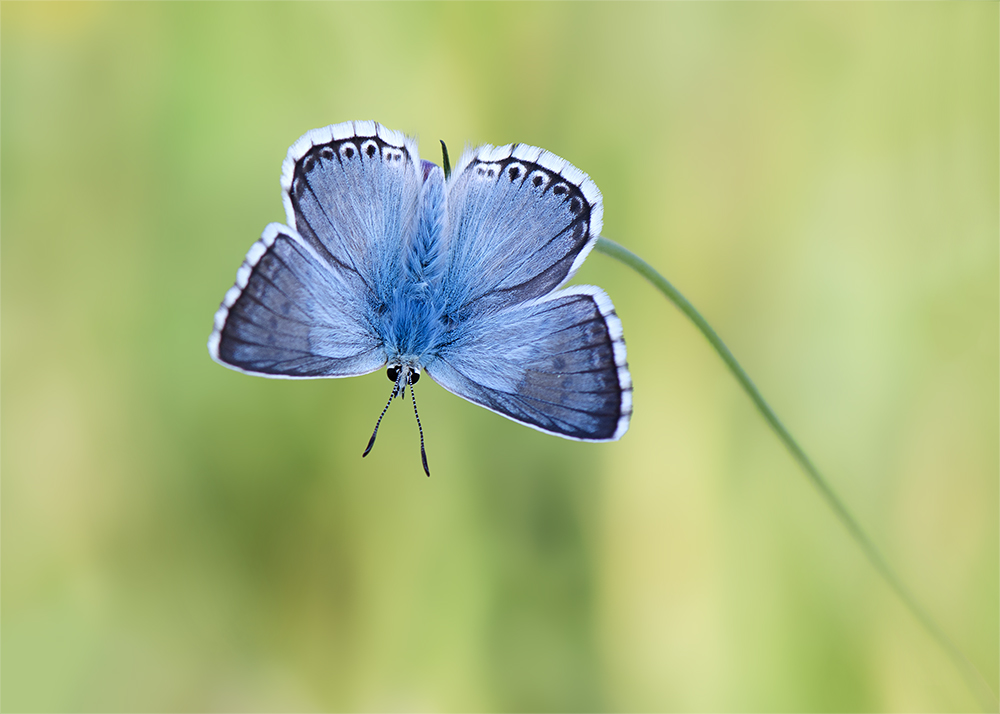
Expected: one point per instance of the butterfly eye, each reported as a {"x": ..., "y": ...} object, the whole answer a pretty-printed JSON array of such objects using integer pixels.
[{"x": 393, "y": 374}]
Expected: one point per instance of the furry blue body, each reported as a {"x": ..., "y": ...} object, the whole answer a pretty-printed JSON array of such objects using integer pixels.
[{"x": 414, "y": 325}]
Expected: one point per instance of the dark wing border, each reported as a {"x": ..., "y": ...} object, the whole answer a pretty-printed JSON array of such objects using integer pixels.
[{"x": 333, "y": 133}]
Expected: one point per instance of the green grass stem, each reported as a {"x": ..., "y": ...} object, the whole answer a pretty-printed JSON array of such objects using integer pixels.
[{"x": 975, "y": 680}]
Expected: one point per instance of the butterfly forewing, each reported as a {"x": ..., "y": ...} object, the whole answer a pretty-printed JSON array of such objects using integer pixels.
[
  {"x": 352, "y": 191},
  {"x": 520, "y": 222}
]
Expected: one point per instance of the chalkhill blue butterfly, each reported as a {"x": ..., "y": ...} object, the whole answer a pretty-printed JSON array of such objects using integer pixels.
[{"x": 386, "y": 262}]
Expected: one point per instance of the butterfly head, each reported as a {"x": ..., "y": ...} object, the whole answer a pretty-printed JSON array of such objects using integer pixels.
[
  {"x": 412, "y": 376},
  {"x": 401, "y": 375}
]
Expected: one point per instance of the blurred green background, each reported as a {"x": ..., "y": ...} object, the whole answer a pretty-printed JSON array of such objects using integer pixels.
[{"x": 821, "y": 180}]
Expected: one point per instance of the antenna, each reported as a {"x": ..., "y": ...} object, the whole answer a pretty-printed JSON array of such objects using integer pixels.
[
  {"x": 423, "y": 454},
  {"x": 447, "y": 165},
  {"x": 395, "y": 391}
]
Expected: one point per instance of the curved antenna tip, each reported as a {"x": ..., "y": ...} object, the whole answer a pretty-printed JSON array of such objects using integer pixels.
[
  {"x": 371, "y": 443},
  {"x": 447, "y": 163},
  {"x": 423, "y": 453}
]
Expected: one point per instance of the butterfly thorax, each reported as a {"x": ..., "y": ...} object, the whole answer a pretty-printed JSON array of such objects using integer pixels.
[
  {"x": 416, "y": 319},
  {"x": 411, "y": 328},
  {"x": 422, "y": 251}
]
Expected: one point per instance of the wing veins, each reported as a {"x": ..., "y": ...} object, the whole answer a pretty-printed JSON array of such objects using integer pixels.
[
  {"x": 254, "y": 298},
  {"x": 542, "y": 247},
  {"x": 578, "y": 349},
  {"x": 260, "y": 344},
  {"x": 306, "y": 288},
  {"x": 572, "y": 409},
  {"x": 329, "y": 220},
  {"x": 524, "y": 397},
  {"x": 493, "y": 291}
]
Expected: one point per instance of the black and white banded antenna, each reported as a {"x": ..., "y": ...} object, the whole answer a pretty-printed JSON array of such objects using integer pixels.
[
  {"x": 404, "y": 377},
  {"x": 395, "y": 391},
  {"x": 420, "y": 428}
]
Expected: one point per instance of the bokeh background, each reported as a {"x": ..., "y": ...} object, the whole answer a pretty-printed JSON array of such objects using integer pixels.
[{"x": 821, "y": 180}]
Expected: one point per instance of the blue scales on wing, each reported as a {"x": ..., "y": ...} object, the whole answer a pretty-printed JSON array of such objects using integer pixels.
[
  {"x": 291, "y": 315},
  {"x": 520, "y": 222},
  {"x": 556, "y": 363},
  {"x": 307, "y": 295},
  {"x": 352, "y": 192}
]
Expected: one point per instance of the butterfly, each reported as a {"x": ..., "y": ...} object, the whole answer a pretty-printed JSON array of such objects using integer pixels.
[{"x": 387, "y": 262}]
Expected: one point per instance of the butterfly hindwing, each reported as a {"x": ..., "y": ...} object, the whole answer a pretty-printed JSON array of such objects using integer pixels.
[
  {"x": 555, "y": 363},
  {"x": 291, "y": 314},
  {"x": 520, "y": 222}
]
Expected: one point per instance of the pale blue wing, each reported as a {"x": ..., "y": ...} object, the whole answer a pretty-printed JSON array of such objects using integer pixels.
[
  {"x": 520, "y": 222},
  {"x": 292, "y": 314},
  {"x": 352, "y": 192},
  {"x": 556, "y": 363}
]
